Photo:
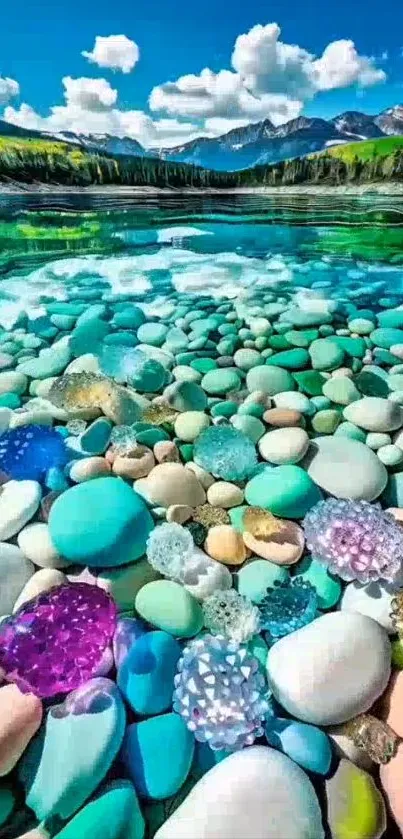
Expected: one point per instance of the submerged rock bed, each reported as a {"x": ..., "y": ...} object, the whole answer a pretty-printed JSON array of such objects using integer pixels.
[{"x": 201, "y": 567}]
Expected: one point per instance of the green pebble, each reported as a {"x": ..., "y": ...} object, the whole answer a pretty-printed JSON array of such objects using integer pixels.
[
  {"x": 391, "y": 319},
  {"x": 261, "y": 343},
  {"x": 294, "y": 359},
  {"x": 123, "y": 338},
  {"x": 183, "y": 373},
  {"x": 88, "y": 337},
  {"x": 320, "y": 403},
  {"x": 115, "y": 807},
  {"x": 362, "y": 326},
  {"x": 302, "y": 338},
  {"x": 310, "y": 382},
  {"x": 190, "y": 424},
  {"x": 372, "y": 383},
  {"x": 287, "y": 491},
  {"x": 224, "y": 408},
  {"x": 203, "y": 365},
  {"x": 395, "y": 382},
  {"x": 279, "y": 342},
  {"x": 236, "y": 517},
  {"x": 7, "y": 801},
  {"x": 385, "y": 337},
  {"x": 325, "y": 354},
  {"x": 348, "y": 429},
  {"x": 328, "y": 588},
  {"x": 257, "y": 576},
  {"x": 150, "y": 436},
  {"x": 186, "y": 452},
  {"x": 254, "y": 409},
  {"x": 251, "y": 426},
  {"x": 10, "y": 400},
  {"x": 220, "y": 381},
  {"x": 354, "y": 347},
  {"x": 65, "y": 322},
  {"x": 152, "y": 333},
  {"x": 326, "y": 422},
  {"x": 269, "y": 379},
  {"x": 341, "y": 389},
  {"x": 168, "y": 606}
]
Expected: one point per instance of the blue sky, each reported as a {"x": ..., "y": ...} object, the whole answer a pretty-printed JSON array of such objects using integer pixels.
[{"x": 42, "y": 44}]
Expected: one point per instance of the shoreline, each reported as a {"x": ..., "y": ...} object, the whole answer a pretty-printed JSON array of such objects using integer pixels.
[{"x": 301, "y": 190}]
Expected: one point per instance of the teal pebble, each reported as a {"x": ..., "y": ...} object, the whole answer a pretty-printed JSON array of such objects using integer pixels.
[
  {"x": 152, "y": 333},
  {"x": 95, "y": 439},
  {"x": 146, "y": 675},
  {"x": 249, "y": 425},
  {"x": 269, "y": 379},
  {"x": 169, "y": 606},
  {"x": 328, "y": 588},
  {"x": 219, "y": 381},
  {"x": 306, "y": 744},
  {"x": 10, "y": 400},
  {"x": 348, "y": 429},
  {"x": 88, "y": 336},
  {"x": 83, "y": 536},
  {"x": 287, "y": 491},
  {"x": 257, "y": 576},
  {"x": 116, "y": 808},
  {"x": 295, "y": 359},
  {"x": 325, "y": 354},
  {"x": 385, "y": 337},
  {"x": 158, "y": 754}
]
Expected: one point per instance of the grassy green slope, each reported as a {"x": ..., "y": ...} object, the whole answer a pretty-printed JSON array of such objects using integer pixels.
[{"x": 365, "y": 149}]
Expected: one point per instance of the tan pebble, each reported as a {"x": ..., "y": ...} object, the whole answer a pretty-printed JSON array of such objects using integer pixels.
[
  {"x": 278, "y": 540},
  {"x": 20, "y": 718},
  {"x": 136, "y": 463},
  {"x": 226, "y": 545},
  {"x": 202, "y": 475},
  {"x": 396, "y": 512},
  {"x": 224, "y": 494},
  {"x": 171, "y": 483},
  {"x": 165, "y": 451},
  {"x": 391, "y": 704},
  {"x": 179, "y": 513},
  {"x": 282, "y": 417},
  {"x": 88, "y": 468},
  {"x": 391, "y": 775},
  {"x": 110, "y": 455},
  {"x": 42, "y": 580}
]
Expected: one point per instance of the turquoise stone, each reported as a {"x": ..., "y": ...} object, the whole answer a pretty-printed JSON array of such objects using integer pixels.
[
  {"x": 306, "y": 744},
  {"x": 88, "y": 336},
  {"x": 287, "y": 491},
  {"x": 100, "y": 523},
  {"x": 257, "y": 576},
  {"x": 7, "y": 801},
  {"x": 85, "y": 733},
  {"x": 116, "y": 808},
  {"x": 95, "y": 438},
  {"x": 158, "y": 754},
  {"x": 146, "y": 675},
  {"x": 328, "y": 588}
]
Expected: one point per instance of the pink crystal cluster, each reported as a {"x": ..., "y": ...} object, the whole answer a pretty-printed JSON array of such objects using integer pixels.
[
  {"x": 57, "y": 641},
  {"x": 356, "y": 540}
]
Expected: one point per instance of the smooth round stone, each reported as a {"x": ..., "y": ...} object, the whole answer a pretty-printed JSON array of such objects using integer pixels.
[
  {"x": 284, "y": 445},
  {"x": 83, "y": 536},
  {"x": 328, "y": 588},
  {"x": 341, "y": 390},
  {"x": 326, "y": 354},
  {"x": 348, "y": 429},
  {"x": 355, "y": 806},
  {"x": 224, "y": 494},
  {"x": 373, "y": 600},
  {"x": 248, "y": 795},
  {"x": 15, "y": 571},
  {"x": 270, "y": 380},
  {"x": 372, "y": 381},
  {"x": 115, "y": 807},
  {"x": 36, "y": 544},
  {"x": 282, "y": 417},
  {"x": 220, "y": 381},
  {"x": 152, "y": 333},
  {"x": 146, "y": 675},
  {"x": 12, "y": 381},
  {"x": 95, "y": 439},
  {"x": 376, "y": 439},
  {"x": 183, "y": 373},
  {"x": 374, "y": 414},
  {"x": 246, "y": 359},
  {"x": 293, "y": 401},
  {"x": 145, "y": 749},
  {"x": 225, "y": 544},
  {"x": 251, "y": 426},
  {"x": 286, "y": 491},
  {"x": 346, "y": 468},
  {"x": 362, "y": 326},
  {"x": 391, "y": 780},
  {"x": 307, "y": 745},
  {"x": 190, "y": 424},
  {"x": 87, "y": 728},
  {"x": 171, "y": 483},
  {"x": 43, "y": 580},
  {"x": 326, "y": 421},
  {"x": 256, "y": 576},
  {"x": 330, "y": 670},
  {"x": 168, "y": 606},
  {"x": 19, "y": 501},
  {"x": 88, "y": 468},
  {"x": 390, "y": 455},
  {"x": 186, "y": 396},
  {"x": 50, "y": 362},
  {"x": 278, "y": 540},
  {"x": 310, "y": 382},
  {"x": 294, "y": 359},
  {"x": 20, "y": 718},
  {"x": 385, "y": 337},
  {"x": 124, "y": 583}
]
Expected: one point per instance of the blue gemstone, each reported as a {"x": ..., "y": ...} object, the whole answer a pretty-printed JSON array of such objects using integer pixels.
[{"x": 30, "y": 451}]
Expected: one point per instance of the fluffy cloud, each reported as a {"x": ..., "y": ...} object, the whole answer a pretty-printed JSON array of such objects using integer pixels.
[
  {"x": 269, "y": 79},
  {"x": 89, "y": 94},
  {"x": 117, "y": 52},
  {"x": 8, "y": 89}
]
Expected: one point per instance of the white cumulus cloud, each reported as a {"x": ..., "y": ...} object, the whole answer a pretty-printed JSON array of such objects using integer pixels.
[
  {"x": 117, "y": 52},
  {"x": 8, "y": 89},
  {"x": 342, "y": 66},
  {"x": 89, "y": 94}
]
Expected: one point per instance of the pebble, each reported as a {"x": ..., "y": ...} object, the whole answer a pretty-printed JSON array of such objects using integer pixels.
[
  {"x": 305, "y": 744},
  {"x": 88, "y": 468},
  {"x": 146, "y": 674},
  {"x": 19, "y": 501},
  {"x": 190, "y": 424},
  {"x": 327, "y": 587},
  {"x": 169, "y": 607},
  {"x": 277, "y": 540},
  {"x": 171, "y": 483},
  {"x": 332, "y": 669},
  {"x": 325, "y": 354},
  {"x": 373, "y": 600},
  {"x": 354, "y": 804},
  {"x": 20, "y": 718},
  {"x": 270, "y": 380},
  {"x": 282, "y": 417},
  {"x": 179, "y": 513},
  {"x": 124, "y": 583},
  {"x": 115, "y": 807},
  {"x": 166, "y": 451},
  {"x": 341, "y": 390},
  {"x": 249, "y": 794},
  {"x": 292, "y": 401},
  {"x": 284, "y": 445},
  {"x": 136, "y": 464},
  {"x": 13, "y": 382},
  {"x": 346, "y": 468},
  {"x": 226, "y": 545},
  {"x": 286, "y": 491},
  {"x": 220, "y": 381},
  {"x": 88, "y": 734},
  {"x": 224, "y": 494},
  {"x": 374, "y": 414},
  {"x": 145, "y": 749},
  {"x": 41, "y": 581},
  {"x": 258, "y": 575},
  {"x": 81, "y": 536},
  {"x": 15, "y": 571}
]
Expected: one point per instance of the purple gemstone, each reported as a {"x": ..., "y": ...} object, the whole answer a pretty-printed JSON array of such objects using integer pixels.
[{"x": 57, "y": 641}]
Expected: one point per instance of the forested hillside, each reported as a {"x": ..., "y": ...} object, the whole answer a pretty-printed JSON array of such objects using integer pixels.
[{"x": 53, "y": 162}]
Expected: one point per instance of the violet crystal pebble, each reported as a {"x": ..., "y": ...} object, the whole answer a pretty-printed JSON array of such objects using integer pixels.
[{"x": 57, "y": 641}]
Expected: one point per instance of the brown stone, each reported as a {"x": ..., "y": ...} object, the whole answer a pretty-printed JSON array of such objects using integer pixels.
[
  {"x": 136, "y": 463},
  {"x": 282, "y": 417},
  {"x": 226, "y": 545}
]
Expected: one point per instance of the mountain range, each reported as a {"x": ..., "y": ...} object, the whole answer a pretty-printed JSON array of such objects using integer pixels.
[{"x": 252, "y": 145}]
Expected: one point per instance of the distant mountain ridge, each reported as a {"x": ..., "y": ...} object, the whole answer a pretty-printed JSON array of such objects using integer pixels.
[{"x": 256, "y": 144}]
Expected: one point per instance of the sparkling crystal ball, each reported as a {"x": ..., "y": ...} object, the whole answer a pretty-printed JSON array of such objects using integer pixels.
[
  {"x": 220, "y": 693},
  {"x": 57, "y": 641},
  {"x": 168, "y": 547},
  {"x": 229, "y": 613},
  {"x": 30, "y": 451},
  {"x": 225, "y": 452},
  {"x": 356, "y": 540},
  {"x": 288, "y": 607}
]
